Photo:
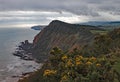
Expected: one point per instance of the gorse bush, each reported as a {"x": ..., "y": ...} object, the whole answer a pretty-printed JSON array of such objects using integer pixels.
[
  {"x": 103, "y": 44},
  {"x": 76, "y": 68},
  {"x": 96, "y": 62}
]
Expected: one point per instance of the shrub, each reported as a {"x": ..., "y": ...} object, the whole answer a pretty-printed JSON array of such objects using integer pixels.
[{"x": 76, "y": 68}]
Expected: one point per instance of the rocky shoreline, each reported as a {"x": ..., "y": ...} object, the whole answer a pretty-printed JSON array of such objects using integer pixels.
[
  {"x": 23, "y": 70},
  {"x": 23, "y": 51}
]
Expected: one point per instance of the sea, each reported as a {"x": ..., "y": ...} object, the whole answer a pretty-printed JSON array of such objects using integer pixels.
[{"x": 12, "y": 67}]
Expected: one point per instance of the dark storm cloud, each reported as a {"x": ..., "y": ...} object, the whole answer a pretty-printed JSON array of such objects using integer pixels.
[{"x": 80, "y": 7}]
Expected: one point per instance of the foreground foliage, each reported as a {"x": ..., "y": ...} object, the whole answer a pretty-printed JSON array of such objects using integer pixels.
[
  {"x": 76, "y": 68},
  {"x": 98, "y": 62}
]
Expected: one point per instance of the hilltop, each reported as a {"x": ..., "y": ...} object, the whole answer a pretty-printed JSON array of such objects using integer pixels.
[{"x": 63, "y": 35}]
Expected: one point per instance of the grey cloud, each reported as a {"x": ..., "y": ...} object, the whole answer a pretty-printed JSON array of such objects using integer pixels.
[{"x": 79, "y": 7}]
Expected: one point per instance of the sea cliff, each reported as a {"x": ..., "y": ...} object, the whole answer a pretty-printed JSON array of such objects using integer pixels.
[{"x": 63, "y": 35}]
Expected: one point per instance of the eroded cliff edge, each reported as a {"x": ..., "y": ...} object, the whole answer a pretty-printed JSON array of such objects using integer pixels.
[{"x": 63, "y": 35}]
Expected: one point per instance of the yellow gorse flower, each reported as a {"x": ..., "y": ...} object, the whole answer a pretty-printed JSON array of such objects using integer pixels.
[
  {"x": 81, "y": 57},
  {"x": 88, "y": 63},
  {"x": 49, "y": 72},
  {"x": 92, "y": 59},
  {"x": 69, "y": 63},
  {"x": 78, "y": 63},
  {"x": 78, "y": 58},
  {"x": 64, "y": 57},
  {"x": 98, "y": 65},
  {"x": 64, "y": 78}
]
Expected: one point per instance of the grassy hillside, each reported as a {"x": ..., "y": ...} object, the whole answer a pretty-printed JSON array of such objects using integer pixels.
[
  {"x": 96, "y": 62},
  {"x": 63, "y": 35},
  {"x": 64, "y": 67}
]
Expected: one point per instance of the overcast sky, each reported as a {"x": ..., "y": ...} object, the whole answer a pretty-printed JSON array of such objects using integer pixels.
[{"x": 43, "y": 11}]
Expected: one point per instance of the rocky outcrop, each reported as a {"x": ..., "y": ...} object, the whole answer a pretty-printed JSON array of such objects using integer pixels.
[
  {"x": 24, "y": 50},
  {"x": 63, "y": 35}
]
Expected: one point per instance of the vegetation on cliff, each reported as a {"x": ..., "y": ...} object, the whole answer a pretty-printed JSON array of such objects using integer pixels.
[
  {"x": 64, "y": 67},
  {"x": 96, "y": 62},
  {"x": 76, "y": 68},
  {"x": 63, "y": 35}
]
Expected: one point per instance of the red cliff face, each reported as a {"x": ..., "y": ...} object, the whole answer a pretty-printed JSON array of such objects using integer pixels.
[
  {"x": 60, "y": 34},
  {"x": 35, "y": 39}
]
